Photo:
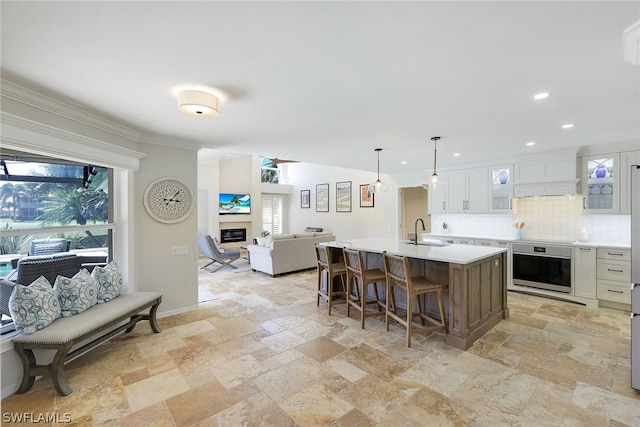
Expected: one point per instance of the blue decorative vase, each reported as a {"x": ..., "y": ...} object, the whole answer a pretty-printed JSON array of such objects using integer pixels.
[
  {"x": 504, "y": 177},
  {"x": 601, "y": 171}
]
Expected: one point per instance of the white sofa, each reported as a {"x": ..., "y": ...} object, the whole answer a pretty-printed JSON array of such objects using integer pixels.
[{"x": 285, "y": 253}]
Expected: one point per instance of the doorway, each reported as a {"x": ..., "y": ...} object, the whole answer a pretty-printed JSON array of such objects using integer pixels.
[{"x": 414, "y": 206}]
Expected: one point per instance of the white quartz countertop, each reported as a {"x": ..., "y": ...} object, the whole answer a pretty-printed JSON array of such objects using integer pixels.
[{"x": 456, "y": 254}]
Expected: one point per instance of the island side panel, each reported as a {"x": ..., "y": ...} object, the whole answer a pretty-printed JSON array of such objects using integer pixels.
[{"x": 477, "y": 299}]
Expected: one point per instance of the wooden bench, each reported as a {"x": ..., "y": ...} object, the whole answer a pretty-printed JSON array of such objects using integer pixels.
[{"x": 66, "y": 332}]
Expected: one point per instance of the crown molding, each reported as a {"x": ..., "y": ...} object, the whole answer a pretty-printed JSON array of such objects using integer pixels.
[
  {"x": 46, "y": 103},
  {"x": 27, "y": 135},
  {"x": 609, "y": 148}
]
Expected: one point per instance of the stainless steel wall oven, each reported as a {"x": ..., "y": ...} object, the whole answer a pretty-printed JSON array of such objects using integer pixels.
[{"x": 542, "y": 266}]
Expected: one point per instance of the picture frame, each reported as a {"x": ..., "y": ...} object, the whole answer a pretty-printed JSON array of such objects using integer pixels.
[
  {"x": 322, "y": 197},
  {"x": 343, "y": 196},
  {"x": 305, "y": 199},
  {"x": 366, "y": 197}
]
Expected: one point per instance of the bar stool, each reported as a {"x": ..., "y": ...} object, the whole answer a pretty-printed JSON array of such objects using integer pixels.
[
  {"x": 325, "y": 257},
  {"x": 398, "y": 274},
  {"x": 358, "y": 274}
]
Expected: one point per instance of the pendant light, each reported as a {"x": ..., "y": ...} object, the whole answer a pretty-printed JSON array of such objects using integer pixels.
[
  {"x": 378, "y": 186},
  {"x": 434, "y": 182}
]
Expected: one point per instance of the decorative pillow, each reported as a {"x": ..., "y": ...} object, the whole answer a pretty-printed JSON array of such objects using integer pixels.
[
  {"x": 34, "y": 307},
  {"x": 216, "y": 242},
  {"x": 109, "y": 281},
  {"x": 268, "y": 242},
  {"x": 76, "y": 294}
]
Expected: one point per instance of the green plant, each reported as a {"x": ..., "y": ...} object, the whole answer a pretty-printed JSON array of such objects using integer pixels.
[{"x": 264, "y": 233}]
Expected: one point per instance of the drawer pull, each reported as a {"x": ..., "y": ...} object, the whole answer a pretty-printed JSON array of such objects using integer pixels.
[
  {"x": 615, "y": 292},
  {"x": 615, "y": 271},
  {"x": 585, "y": 249},
  {"x": 485, "y": 244},
  {"x": 615, "y": 254}
]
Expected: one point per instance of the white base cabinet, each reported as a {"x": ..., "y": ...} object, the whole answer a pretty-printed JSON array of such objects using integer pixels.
[
  {"x": 584, "y": 272},
  {"x": 614, "y": 276}
]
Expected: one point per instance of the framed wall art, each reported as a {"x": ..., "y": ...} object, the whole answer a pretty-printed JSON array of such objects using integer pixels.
[
  {"x": 343, "y": 196},
  {"x": 305, "y": 199},
  {"x": 322, "y": 197},
  {"x": 366, "y": 196}
]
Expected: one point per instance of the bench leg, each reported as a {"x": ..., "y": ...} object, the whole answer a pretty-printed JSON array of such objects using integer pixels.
[
  {"x": 30, "y": 369},
  {"x": 153, "y": 322},
  {"x": 57, "y": 371},
  {"x": 28, "y": 360}
]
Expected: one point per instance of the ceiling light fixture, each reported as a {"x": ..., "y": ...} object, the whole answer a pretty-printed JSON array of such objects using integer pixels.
[
  {"x": 541, "y": 95},
  {"x": 567, "y": 126},
  {"x": 378, "y": 186},
  {"x": 434, "y": 182},
  {"x": 198, "y": 104},
  {"x": 531, "y": 143}
]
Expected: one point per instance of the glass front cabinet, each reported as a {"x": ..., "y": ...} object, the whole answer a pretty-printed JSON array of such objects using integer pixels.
[
  {"x": 501, "y": 188},
  {"x": 601, "y": 183}
]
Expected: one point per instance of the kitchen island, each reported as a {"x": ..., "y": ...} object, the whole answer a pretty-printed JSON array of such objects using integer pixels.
[{"x": 476, "y": 275}]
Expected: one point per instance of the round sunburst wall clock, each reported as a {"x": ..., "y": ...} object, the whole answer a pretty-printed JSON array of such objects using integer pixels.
[{"x": 169, "y": 200}]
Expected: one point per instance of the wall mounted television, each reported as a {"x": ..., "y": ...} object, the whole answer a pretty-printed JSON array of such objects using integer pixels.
[{"x": 234, "y": 204}]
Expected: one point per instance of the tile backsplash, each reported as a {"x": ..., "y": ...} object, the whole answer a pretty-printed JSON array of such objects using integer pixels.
[{"x": 557, "y": 218}]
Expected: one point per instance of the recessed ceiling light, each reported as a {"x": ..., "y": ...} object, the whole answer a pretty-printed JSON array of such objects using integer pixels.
[
  {"x": 404, "y": 162},
  {"x": 456, "y": 154},
  {"x": 541, "y": 95},
  {"x": 567, "y": 126},
  {"x": 530, "y": 143}
]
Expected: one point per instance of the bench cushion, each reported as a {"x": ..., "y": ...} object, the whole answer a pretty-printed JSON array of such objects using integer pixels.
[{"x": 67, "y": 329}]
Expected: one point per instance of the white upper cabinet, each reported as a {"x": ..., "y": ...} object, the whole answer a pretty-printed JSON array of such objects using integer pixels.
[
  {"x": 601, "y": 183},
  {"x": 501, "y": 188},
  {"x": 627, "y": 159},
  {"x": 546, "y": 177},
  {"x": 468, "y": 191},
  {"x": 438, "y": 198}
]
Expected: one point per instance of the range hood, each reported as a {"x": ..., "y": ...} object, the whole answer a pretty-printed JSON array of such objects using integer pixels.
[{"x": 547, "y": 176}]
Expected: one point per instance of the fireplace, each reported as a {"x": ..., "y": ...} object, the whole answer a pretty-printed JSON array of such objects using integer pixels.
[{"x": 233, "y": 235}]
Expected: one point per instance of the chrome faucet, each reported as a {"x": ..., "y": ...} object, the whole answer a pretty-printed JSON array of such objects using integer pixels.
[{"x": 415, "y": 230}]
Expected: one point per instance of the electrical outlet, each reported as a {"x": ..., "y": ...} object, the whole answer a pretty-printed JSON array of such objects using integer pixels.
[{"x": 179, "y": 250}]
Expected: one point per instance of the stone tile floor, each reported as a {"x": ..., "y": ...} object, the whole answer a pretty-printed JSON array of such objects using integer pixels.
[{"x": 263, "y": 354}]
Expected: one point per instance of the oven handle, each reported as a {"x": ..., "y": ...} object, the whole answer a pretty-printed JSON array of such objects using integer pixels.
[{"x": 543, "y": 255}]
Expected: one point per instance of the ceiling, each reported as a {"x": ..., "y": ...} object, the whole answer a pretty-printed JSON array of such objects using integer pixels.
[{"x": 328, "y": 82}]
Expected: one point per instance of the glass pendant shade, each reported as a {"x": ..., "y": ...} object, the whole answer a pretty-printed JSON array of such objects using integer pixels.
[
  {"x": 434, "y": 182},
  {"x": 378, "y": 186}
]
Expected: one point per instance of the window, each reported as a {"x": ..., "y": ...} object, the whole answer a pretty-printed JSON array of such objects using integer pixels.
[
  {"x": 269, "y": 172},
  {"x": 43, "y": 198},
  {"x": 272, "y": 213}
]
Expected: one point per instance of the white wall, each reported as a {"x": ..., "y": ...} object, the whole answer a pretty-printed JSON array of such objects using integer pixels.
[
  {"x": 176, "y": 277},
  {"x": 380, "y": 220}
]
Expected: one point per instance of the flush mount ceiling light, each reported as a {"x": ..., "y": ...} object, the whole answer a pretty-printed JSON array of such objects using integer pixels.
[
  {"x": 378, "y": 186},
  {"x": 631, "y": 44},
  {"x": 434, "y": 182},
  {"x": 541, "y": 95},
  {"x": 197, "y": 103}
]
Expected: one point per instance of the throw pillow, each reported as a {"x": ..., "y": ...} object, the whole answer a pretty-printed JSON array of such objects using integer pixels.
[
  {"x": 109, "y": 281},
  {"x": 216, "y": 242},
  {"x": 268, "y": 242},
  {"x": 76, "y": 294},
  {"x": 34, "y": 307}
]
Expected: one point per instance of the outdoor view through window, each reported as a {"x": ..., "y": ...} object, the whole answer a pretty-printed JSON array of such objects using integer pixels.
[{"x": 49, "y": 199}]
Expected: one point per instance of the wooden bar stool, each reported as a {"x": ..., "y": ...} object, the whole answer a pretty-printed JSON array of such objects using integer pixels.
[
  {"x": 332, "y": 262},
  {"x": 398, "y": 274},
  {"x": 362, "y": 277}
]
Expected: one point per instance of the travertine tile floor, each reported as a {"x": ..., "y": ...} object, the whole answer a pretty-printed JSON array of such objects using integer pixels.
[{"x": 263, "y": 354}]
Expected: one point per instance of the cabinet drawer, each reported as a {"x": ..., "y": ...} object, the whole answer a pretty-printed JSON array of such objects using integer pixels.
[
  {"x": 614, "y": 270},
  {"x": 463, "y": 241},
  {"x": 491, "y": 243},
  {"x": 614, "y": 291},
  {"x": 616, "y": 254}
]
